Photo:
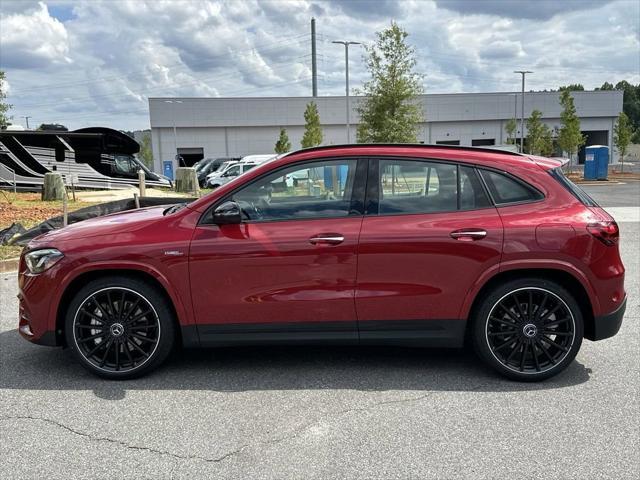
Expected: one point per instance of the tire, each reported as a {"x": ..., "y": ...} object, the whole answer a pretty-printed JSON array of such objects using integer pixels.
[
  {"x": 115, "y": 342},
  {"x": 528, "y": 329}
]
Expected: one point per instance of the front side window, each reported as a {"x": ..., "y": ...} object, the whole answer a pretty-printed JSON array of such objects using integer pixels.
[
  {"x": 232, "y": 171},
  {"x": 311, "y": 190}
]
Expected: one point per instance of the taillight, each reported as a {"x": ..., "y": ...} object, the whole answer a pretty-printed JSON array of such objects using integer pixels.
[{"x": 606, "y": 232}]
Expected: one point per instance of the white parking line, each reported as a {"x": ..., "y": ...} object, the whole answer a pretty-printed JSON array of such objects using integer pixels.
[{"x": 624, "y": 214}]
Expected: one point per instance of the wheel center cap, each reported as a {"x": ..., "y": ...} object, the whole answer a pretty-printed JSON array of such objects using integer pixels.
[
  {"x": 116, "y": 329},
  {"x": 530, "y": 330}
]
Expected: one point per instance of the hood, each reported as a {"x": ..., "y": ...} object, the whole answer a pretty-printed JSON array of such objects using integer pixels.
[{"x": 112, "y": 224}]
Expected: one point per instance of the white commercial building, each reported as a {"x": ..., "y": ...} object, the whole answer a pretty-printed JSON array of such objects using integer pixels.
[{"x": 234, "y": 127}]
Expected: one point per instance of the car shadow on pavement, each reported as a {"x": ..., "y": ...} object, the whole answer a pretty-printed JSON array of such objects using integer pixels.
[{"x": 31, "y": 367}]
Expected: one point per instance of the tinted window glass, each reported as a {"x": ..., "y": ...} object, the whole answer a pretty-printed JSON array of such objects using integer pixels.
[
  {"x": 507, "y": 190},
  {"x": 472, "y": 193},
  {"x": 311, "y": 190},
  {"x": 575, "y": 190},
  {"x": 417, "y": 187}
]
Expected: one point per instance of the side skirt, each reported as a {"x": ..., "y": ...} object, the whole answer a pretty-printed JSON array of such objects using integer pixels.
[{"x": 419, "y": 333}]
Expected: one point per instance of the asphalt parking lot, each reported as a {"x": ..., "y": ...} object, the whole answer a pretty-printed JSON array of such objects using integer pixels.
[{"x": 328, "y": 412}]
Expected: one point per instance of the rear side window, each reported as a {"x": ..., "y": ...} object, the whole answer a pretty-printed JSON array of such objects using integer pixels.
[
  {"x": 575, "y": 190},
  {"x": 408, "y": 186},
  {"x": 505, "y": 190}
]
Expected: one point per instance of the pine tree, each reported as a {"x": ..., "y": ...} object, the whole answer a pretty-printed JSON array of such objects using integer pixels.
[
  {"x": 569, "y": 138},
  {"x": 622, "y": 133},
  {"x": 312, "y": 130},
  {"x": 390, "y": 110},
  {"x": 283, "y": 145}
]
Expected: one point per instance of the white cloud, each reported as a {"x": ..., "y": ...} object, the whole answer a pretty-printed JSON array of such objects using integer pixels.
[
  {"x": 93, "y": 62},
  {"x": 33, "y": 39}
]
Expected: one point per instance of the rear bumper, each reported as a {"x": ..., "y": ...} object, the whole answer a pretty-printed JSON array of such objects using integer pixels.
[{"x": 606, "y": 326}]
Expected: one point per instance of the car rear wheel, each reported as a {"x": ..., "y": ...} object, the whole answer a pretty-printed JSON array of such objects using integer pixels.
[
  {"x": 528, "y": 329},
  {"x": 119, "y": 327}
]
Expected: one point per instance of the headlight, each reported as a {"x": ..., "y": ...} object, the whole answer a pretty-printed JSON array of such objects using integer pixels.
[{"x": 40, "y": 260}]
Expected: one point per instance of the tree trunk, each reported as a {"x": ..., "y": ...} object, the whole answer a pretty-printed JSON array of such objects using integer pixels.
[
  {"x": 186, "y": 180},
  {"x": 53, "y": 187}
]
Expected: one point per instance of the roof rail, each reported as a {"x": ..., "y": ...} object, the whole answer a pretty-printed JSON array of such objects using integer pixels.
[{"x": 446, "y": 147}]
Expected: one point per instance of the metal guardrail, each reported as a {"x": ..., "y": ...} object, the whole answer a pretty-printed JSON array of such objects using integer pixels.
[{"x": 14, "y": 178}]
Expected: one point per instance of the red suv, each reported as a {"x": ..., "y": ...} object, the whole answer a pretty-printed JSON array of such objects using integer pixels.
[{"x": 369, "y": 244}]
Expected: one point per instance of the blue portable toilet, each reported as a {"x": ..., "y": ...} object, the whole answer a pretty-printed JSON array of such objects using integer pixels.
[
  {"x": 167, "y": 169},
  {"x": 596, "y": 164}
]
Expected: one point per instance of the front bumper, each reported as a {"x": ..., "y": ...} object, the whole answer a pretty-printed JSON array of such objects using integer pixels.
[{"x": 606, "y": 326}]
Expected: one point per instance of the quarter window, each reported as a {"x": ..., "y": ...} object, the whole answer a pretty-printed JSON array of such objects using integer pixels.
[
  {"x": 312, "y": 190},
  {"x": 507, "y": 190}
]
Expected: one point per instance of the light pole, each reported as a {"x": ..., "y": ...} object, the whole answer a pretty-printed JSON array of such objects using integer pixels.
[
  {"x": 346, "y": 63},
  {"x": 27, "y": 117},
  {"x": 175, "y": 135},
  {"x": 523, "y": 73}
]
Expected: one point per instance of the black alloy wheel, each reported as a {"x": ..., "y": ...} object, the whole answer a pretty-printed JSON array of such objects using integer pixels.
[
  {"x": 528, "y": 330},
  {"x": 119, "y": 328}
]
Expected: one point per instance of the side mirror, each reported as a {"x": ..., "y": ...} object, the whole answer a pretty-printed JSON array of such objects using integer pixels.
[{"x": 228, "y": 213}]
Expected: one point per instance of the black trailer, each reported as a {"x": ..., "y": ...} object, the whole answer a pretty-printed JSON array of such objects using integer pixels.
[{"x": 95, "y": 157}]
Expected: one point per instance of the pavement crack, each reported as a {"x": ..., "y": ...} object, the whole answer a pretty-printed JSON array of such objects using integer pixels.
[{"x": 125, "y": 444}]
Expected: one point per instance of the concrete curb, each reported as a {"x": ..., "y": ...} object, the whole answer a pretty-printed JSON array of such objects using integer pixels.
[{"x": 9, "y": 265}]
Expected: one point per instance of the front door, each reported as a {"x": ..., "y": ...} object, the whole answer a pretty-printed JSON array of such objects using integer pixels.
[
  {"x": 287, "y": 272},
  {"x": 429, "y": 234}
]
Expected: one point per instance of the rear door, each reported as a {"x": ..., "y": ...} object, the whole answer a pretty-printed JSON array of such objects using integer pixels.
[{"x": 429, "y": 233}]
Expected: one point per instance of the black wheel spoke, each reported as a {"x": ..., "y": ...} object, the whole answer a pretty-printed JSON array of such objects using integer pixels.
[
  {"x": 542, "y": 306},
  {"x": 535, "y": 356},
  {"x": 508, "y": 312},
  {"x": 530, "y": 306},
  {"x": 502, "y": 345},
  {"x": 92, "y": 337},
  {"x": 116, "y": 329},
  {"x": 545, "y": 351},
  {"x": 551, "y": 312},
  {"x": 92, "y": 315},
  {"x": 557, "y": 322},
  {"x": 519, "y": 307},
  {"x": 560, "y": 334},
  {"x": 557, "y": 345},
  {"x": 513, "y": 352},
  {"x": 99, "y": 307},
  {"x": 523, "y": 356},
  {"x": 135, "y": 345},
  {"x": 504, "y": 322},
  {"x": 503, "y": 333}
]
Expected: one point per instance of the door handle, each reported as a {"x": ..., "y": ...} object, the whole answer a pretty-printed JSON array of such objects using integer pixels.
[
  {"x": 468, "y": 234},
  {"x": 327, "y": 239}
]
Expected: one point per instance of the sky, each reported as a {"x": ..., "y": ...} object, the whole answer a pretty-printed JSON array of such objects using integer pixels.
[{"x": 90, "y": 62}]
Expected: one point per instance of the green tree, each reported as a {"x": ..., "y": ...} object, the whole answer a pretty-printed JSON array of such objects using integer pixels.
[
  {"x": 573, "y": 87},
  {"x": 146, "y": 152},
  {"x": 511, "y": 127},
  {"x": 606, "y": 86},
  {"x": 630, "y": 102},
  {"x": 539, "y": 140},
  {"x": 390, "y": 110},
  {"x": 283, "y": 145},
  {"x": 622, "y": 133},
  {"x": 570, "y": 139},
  {"x": 312, "y": 135},
  {"x": 4, "y": 107}
]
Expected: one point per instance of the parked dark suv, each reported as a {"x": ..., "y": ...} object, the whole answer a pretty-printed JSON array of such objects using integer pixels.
[{"x": 375, "y": 244}]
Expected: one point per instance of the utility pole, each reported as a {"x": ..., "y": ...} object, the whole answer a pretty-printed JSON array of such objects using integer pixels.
[
  {"x": 314, "y": 67},
  {"x": 175, "y": 135},
  {"x": 346, "y": 62},
  {"x": 523, "y": 73},
  {"x": 27, "y": 117}
]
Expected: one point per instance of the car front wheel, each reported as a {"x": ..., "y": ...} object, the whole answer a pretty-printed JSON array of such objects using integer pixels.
[
  {"x": 119, "y": 328},
  {"x": 528, "y": 329}
]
